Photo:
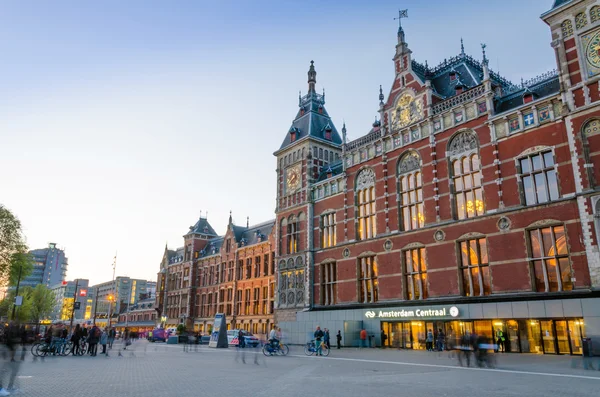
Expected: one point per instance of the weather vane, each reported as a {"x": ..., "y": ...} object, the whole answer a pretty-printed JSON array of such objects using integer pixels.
[{"x": 401, "y": 14}]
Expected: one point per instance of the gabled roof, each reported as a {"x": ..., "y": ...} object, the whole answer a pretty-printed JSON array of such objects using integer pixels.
[
  {"x": 202, "y": 227},
  {"x": 176, "y": 256},
  {"x": 558, "y": 3}
]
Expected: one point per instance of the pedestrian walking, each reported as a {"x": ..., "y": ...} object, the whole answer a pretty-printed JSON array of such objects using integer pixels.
[
  {"x": 363, "y": 338},
  {"x": 93, "y": 339},
  {"x": 338, "y": 337},
  {"x": 11, "y": 365},
  {"x": 112, "y": 333},
  {"x": 104, "y": 340},
  {"x": 326, "y": 339},
  {"x": 500, "y": 341},
  {"x": 383, "y": 339},
  {"x": 241, "y": 345},
  {"x": 429, "y": 341},
  {"x": 440, "y": 340},
  {"x": 466, "y": 348}
]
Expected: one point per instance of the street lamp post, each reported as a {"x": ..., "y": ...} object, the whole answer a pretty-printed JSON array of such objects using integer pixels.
[
  {"x": 114, "y": 294},
  {"x": 74, "y": 300}
]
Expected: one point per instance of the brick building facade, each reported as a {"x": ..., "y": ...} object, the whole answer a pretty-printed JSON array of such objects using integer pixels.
[
  {"x": 471, "y": 204},
  {"x": 231, "y": 274}
]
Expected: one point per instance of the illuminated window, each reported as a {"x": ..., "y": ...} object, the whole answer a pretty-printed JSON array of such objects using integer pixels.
[
  {"x": 365, "y": 194},
  {"x": 475, "y": 267},
  {"x": 415, "y": 274},
  {"x": 468, "y": 192},
  {"x": 550, "y": 259},
  {"x": 292, "y": 235},
  {"x": 538, "y": 176},
  {"x": 410, "y": 192},
  {"x": 328, "y": 283},
  {"x": 328, "y": 235},
  {"x": 367, "y": 281}
]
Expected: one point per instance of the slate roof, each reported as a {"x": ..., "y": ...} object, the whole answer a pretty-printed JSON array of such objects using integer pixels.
[
  {"x": 539, "y": 89},
  {"x": 558, "y": 3},
  {"x": 213, "y": 247},
  {"x": 202, "y": 227},
  {"x": 469, "y": 73},
  {"x": 176, "y": 256},
  {"x": 251, "y": 234},
  {"x": 336, "y": 168}
]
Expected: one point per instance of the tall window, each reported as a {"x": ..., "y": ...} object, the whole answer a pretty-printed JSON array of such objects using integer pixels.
[
  {"x": 415, "y": 274},
  {"x": 538, "y": 176},
  {"x": 328, "y": 283},
  {"x": 292, "y": 235},
  {"x": 230, "y": 271},
  {"x": 463, "y": 151},
  {"x": 411, "y": 192},
  {"x": 475, "y": 267},
  {"x": 265, "y": 297},
  {"x": 367, "y": 280},
  {"x": 550, "y": 259},
  {"x": 248, "y": 268},
  {"x": 328, "y": 235},
  {"x": 256, "y": 303},
  {"x": 238, "y": 309},
  {"x": 257, "y": 267},
  {"x": 365, "y": 194},
  {"x": 266, "y": 265},
  {"x": 247, "y": 302}
]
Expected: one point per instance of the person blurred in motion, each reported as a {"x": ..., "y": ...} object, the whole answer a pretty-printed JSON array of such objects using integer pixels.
[
  {"x": 429, "y": 341},
  {"x": 383, "y": 339},
  {"x": 241, "y": 345},
  {"x": 338, "y": 338},
  {"x": 11, "y": 365},
  {"x": 326, "y": 338},
  {"x": 465, "y": 347},
  {"x": 363, "y": 338},
  {"x": 93, "y": 339},
  {"x": 440, "y": 340},
  {"x": 111, "y": 337}
]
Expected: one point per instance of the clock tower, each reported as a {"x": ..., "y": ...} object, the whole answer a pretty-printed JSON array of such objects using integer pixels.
[{"x": 311, "y": 144}]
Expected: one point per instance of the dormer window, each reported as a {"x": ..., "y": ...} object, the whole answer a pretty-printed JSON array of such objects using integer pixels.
[
  {"x": 459, "y": 89},
  {"x": 528, "y": 98},
  {"x": 293, "y": 134},
  {"x": 452, "y": 76},
  {"x": 328, "y": 134},
  {"x": 320, "y": 109},
  {"x": 302, "y": 112}
]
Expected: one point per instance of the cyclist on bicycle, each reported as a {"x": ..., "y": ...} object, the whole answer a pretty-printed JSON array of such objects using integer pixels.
[
  {"x": 318, "y": 336},
  {"x": 273, "y": 338}
]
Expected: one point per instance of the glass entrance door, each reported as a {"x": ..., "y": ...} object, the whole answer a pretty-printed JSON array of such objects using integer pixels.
[
  {"x": 576, "y": 332},
  {"x": 511, "y": 337},
  {"x": 406, "y": 336},
  {"x": 418, "y": 335},
  {"x": 562, "y": 337},
  {"x": 547, "y": 328}
]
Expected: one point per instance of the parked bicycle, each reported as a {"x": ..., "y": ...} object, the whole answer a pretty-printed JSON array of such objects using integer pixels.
[
  {"x": 57, "y": 347},
  {"x": 280, "y": 349},
  {"x": 311, "y": 348}
]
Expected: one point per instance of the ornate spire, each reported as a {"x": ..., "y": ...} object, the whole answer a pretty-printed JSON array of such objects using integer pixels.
[
  {"x": 247, "y": 222},
  {"x": 485, "y": 60},
  {"x": 299, "y": 98},
  {"x": 462, "y": 48},
  {"x": 401, "y": 14},
  {"x": 323, "y": 94},
  {"x": 344, "y": 133},
  {"x": 381, "y": 97},
  {"x": 312, "y": 77},
  {"x": 230, "y": 219}
]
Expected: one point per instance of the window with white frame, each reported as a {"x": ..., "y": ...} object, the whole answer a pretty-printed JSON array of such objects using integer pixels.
[
  {"x": 538, "y": 176},
  {"x": 475, "y": 267},
  {"x": 328, "y": 283},
  {"x": 550, "y": 259},
  {"x": 368, "y": 286},
  {"x": 463, "y": 153},
  {"x": 328, "y": 234},
  {"x": 415, "y": 274},
  {"x": 365, "y": 195},
  {"x": 410, "y": 197}
]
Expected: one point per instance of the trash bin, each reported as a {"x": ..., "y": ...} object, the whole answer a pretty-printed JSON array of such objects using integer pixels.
[{"x": 587, "y": 347}]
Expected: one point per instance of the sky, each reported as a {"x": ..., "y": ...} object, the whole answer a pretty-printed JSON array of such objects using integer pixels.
[{"x": 121, "y": 120}]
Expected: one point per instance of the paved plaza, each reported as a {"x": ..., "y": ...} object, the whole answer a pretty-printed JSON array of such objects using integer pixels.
[{"x": 166, "y": 370}]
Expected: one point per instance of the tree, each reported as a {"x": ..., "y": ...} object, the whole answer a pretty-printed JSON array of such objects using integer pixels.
[
  {"x": 11, "y": 240},
  {"x": 41, "y": 302},
  {"x": 21, "y": 266}
]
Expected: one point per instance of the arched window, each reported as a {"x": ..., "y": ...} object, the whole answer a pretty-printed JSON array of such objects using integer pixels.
[
  {"x": 580, "y": 20},
  {"x": 410, "y": 189},
  {"x": 550, "y": 259},
  {"x": 595, "y": 14},
  {"x": 463, "y": 152},
  {"x": 365, "y": 199},
  {"x": 567, "y": 29}
]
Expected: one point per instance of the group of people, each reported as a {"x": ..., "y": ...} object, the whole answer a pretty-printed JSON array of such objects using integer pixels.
[{"x": 93, "y": 336}]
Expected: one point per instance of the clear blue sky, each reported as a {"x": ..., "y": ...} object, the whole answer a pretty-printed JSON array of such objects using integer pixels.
[{"x": 121, "y": 120}]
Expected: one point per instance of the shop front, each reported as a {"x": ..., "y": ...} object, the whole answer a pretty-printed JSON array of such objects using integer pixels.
[{"x": 549, "y": 336}]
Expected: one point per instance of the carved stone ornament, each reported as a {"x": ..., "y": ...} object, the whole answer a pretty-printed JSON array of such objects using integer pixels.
[
  {"x": 503, "y": 223},
  {"x": 410, "y": 162},
  {"x": 387, "y": 245},
  {"x": 439, "y": 235},
  {"x": 463, "y": 142},
  {"x": 346, "y": 253},
  {"x": 365, "y": 179}
]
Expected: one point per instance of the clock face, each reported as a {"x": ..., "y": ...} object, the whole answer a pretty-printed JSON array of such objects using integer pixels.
[
  {"x": 591, "y": 47},
  {"x": 292, "y": 178},
  {"x": 408, "y": 110}
]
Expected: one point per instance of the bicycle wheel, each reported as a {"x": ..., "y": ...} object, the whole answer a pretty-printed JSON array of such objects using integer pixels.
[
  {"x": 266, "y": 351},
  {"x": 283, "y": 349},
  {"x": 34, "y": 349},
  {"x": 324, "y": 350},
  {"x": 66, "y": 349},
  {"x": 83, "y": 348},
  {"x": 308, "y": 349},
  {"x": 41, "y": 350}
]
